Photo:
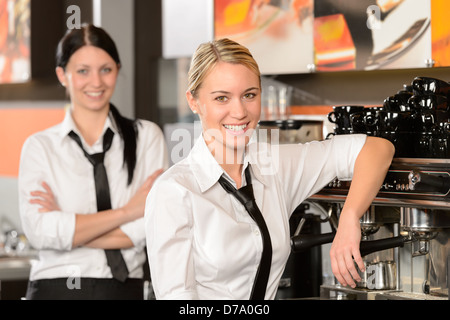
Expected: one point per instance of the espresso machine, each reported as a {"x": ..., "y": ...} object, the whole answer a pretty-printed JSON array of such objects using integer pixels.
[{"x": 405, "y": 232}]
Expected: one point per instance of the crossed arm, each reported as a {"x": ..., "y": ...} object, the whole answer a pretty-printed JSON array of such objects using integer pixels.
[{"x": 101, "y": 229}]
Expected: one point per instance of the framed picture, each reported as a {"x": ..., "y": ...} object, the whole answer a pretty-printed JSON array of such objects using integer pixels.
[{"x": 15, "y": 35}]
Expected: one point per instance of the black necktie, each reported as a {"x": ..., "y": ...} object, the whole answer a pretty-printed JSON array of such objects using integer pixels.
[
  {"x": 246, "y": 197},
  {"x": 113, "y": 256}
]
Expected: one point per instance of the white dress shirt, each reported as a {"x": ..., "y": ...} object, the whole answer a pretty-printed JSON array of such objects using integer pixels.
[
  {"x": 52, "y": 156},
  {"x": 202, "y": 243}
]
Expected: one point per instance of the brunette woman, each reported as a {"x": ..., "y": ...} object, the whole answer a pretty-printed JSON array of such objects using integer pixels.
[{"x": 80, "y": 216}]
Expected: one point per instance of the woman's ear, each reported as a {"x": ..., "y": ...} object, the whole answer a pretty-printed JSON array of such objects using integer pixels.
[
  {"x": 61, "y": 76},
  {"x": 192, "y": 102}
]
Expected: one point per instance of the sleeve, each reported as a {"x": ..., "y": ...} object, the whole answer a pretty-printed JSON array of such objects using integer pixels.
[
  {"x": 153, "y": 154},
  {"x": 169, "y": 227},
  {"x": 50, "y": 230},
  {"x": 306, "y": 168}
]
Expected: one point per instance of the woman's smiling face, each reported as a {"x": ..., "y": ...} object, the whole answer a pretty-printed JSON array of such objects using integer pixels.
[
  {"x": 228, "y": 104},
  {"x": 90, "y": 77}
]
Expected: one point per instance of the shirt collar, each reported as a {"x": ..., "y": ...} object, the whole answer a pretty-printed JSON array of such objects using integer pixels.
[
  {"x": 207, "y": 170},
  {"x": 69, "y": 125}
]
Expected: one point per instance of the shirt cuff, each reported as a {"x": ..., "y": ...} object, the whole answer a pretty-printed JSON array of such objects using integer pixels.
[{"x": 136, "y": 232}]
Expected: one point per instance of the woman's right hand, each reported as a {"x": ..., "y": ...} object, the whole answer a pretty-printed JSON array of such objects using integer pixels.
[
  {"x": 46, "y": 199},
  {"x": 135, "y": 208}
]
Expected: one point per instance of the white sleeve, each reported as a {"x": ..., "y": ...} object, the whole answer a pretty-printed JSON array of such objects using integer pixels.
[
  {"x": 168, "y": 225},
  {"x": 49, "y": 230},
  {"x": 306, "y": 168}
]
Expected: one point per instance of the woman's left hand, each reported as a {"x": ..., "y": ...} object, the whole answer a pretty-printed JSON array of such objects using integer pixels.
[{"x": 46, "y": 199}]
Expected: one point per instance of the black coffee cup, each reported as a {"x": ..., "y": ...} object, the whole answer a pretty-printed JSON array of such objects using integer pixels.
[
  {"x": 429, "y": 102},
  {"x": 395, "y": 121},
  {"x": 406, "y": 89},
  {"x": 429, "y": 145},
  {"x": 398, "y": 102},
  {"x": 427, "y": 85},
  {"x": 365, "y": 121},
  {"x": 431, "y": 120},
  {"x": 423, "y": 145},
  {"x": 439, "y": 147},
  {"x": 341, "y": 117},
  {"x": 444, "y": 129},
  {"x": 428, "y": 121}
]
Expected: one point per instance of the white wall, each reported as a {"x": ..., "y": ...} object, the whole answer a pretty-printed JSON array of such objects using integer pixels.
[
  {"x": 186, "y": 24},
  {"x": 117, "y": 18}
]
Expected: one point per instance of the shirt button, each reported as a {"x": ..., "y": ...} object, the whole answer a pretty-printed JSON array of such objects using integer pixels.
[{"x": 256, "y": 232}]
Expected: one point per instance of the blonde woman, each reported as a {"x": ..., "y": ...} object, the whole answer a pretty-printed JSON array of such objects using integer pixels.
[{"x": 203, "y": 242}]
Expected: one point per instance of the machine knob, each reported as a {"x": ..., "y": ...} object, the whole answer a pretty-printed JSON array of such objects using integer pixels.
[
  {"x": 436, "y": 182},
  {"x": 414, "y": 178}
]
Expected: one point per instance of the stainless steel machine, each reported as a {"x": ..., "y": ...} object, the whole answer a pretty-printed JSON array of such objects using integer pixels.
[{"x": 405, "y": 233}]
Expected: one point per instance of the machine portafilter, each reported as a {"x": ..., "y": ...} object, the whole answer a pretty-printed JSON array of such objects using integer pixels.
[
  {"x": 423, "y": 225},
  {"x": 418, "y": 225},
  {"x": 380, "y": 274},
  {"x": 369, "y": 225},
  {"x": 304, "y": 242}
]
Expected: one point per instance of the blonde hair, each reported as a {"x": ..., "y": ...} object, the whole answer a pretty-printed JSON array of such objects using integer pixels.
[{"x": 209, "y": 54}]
